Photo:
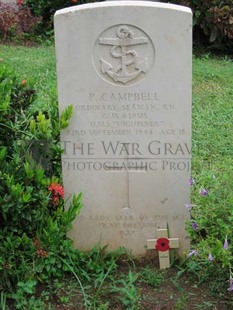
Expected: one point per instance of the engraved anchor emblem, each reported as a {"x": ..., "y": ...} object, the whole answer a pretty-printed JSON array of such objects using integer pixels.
[{"x": 127, "y": 57}]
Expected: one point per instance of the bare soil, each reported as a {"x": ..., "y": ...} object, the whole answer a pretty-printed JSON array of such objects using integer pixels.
[{"x": 177, "y": 291}]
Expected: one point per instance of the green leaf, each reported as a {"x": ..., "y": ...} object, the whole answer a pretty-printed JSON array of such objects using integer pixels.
[
  {"x": 65, "y": 116},
  {"x": 26, "y": 197},
  {"x": 3, "y": 151}
]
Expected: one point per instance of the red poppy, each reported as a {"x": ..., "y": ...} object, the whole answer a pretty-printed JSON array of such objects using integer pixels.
[
  {"x": 162, "y": 244},
  {"x": 19, "y": 2}
]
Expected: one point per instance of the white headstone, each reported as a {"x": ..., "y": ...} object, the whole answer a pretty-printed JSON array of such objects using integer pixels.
[{"x": 126, "y": 68}]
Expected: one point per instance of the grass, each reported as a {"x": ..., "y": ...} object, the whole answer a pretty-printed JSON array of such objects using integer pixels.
[
  {"x": 212, "y": 150},
  {"x": 37, "y": 64},
  {"x": 212, "y": 109}
]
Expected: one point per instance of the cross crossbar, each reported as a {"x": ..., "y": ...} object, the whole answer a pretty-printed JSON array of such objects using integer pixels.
[{"x": 163, "y": 244}]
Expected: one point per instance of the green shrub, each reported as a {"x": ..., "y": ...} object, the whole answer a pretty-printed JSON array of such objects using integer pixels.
[
  {"x": 33, "y": 223},
  {"x": 213, "y": 20},
  {"x": 34, "y": 247},
  {"x": 210, "y": 228},
  {"x": 16, "y": 22}
]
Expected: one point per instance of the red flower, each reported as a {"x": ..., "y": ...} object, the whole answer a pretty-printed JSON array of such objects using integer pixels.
[
  {"x": 19, "y": 2},
  {"x": 57, "y": 192},
  {"x": 24, "y": 82},
  {"x": 56, "y": 189},
  {"x": 41, "y": 253},
  {"x": 74, "y": 1},
  {"x": 162, "y": 244},
  {"x": 36, "y": 243}
]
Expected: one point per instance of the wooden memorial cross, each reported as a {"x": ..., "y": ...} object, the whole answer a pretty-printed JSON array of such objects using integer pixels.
[{"x": 163, "y": 244}]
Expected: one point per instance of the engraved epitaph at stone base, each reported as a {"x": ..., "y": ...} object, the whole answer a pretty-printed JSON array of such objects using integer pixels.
[{"x": 126, "y": 69}]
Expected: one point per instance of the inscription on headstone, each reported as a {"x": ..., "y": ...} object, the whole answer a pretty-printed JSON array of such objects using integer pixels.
[{"x": 126, "y": 69}]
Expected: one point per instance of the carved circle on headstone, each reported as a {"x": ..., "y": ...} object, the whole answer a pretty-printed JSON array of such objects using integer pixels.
[{"x": 123, "y": 55}]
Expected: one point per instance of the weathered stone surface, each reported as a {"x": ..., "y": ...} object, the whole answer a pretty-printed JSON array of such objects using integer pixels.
[
  {"x": 126, "y": 69},
  {"x": 9, "y": 1}
]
